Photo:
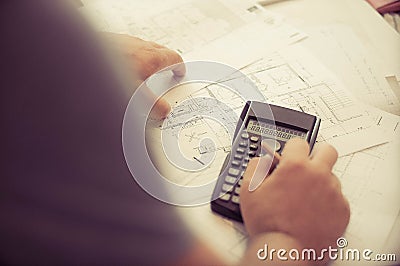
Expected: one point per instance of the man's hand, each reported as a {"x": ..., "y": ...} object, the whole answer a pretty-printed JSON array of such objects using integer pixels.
[
  {"x": 145, "y": 58},
  {"x": 302, "y": 198}
]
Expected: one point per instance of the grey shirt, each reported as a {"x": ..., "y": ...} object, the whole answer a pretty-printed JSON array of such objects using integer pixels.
[{"x": 66, "y": 194}]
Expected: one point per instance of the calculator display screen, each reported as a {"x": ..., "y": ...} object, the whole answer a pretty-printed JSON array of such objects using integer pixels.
[{"x": 273, "y": 131}]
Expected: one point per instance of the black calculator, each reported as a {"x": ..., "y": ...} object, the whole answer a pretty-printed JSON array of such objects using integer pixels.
[{"x": 275, "y": 126}]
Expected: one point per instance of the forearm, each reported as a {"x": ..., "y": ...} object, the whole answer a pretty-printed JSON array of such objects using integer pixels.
[{"x": 272, "y": 249}]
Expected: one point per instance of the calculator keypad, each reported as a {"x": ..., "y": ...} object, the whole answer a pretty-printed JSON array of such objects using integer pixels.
[
  {"x": 235, "y": 199},
  {"x": 238, "y": 157},
  {"x": 225, "y": 196},
  {"x": 247, "y": 147},
  {"x": 240, "y": 150},
  {"x": 236, "y": 163},
  {"x": 230, "y": 179},
  {"x": 233, "y": 171},
  {"x": 254, "y": 138}
]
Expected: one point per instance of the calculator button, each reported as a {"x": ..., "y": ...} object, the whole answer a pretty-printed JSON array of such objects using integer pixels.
[
  {"x": 225, "y": 196},
  {"x": 235, "y": 163},
  {"x": 273, "y": 144},
  {"x": 252, "y": 153},
  {"x": 253, "y": 147},
  {"x": 235, "y": 199},
  {"x": 245, "y": 135},
  {"x": 237, "y": 190},
  {"x": 254, "y": 138},
  {"x": 226, "y": 187},
  {"x": 240, "y": 150},
  {"x": 233, "y": 171},
  {"x": 240, "y": 182},
  {"x": 244, "y": 165},
  {"x": 238, "y": 157},
  {"x": 241, "y": 174},
  {"x": 243, "y": 143},
  {"x": 247, "y": 159},
  {"x": 230, "y": 179}
]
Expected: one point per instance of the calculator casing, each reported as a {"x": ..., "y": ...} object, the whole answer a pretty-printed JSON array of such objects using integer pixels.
[{"x": 284, "y": 118}]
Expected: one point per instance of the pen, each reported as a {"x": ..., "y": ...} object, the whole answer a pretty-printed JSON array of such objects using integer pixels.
[
  {"x": 276, "y": 156},
  {"x": 262, "y": 169},
  {"x": 269, "y": 2}
]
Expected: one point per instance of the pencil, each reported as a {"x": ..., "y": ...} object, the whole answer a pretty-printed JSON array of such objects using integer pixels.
[
  {"x": 258, "y": 178},
  {"x": 276, "y": 157}
]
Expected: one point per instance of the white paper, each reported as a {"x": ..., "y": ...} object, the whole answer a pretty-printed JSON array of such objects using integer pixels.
[{"x": 359, "y": 66}]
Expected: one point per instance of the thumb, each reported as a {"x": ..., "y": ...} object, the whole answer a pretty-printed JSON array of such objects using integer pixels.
[
  {"x": 161, "y": 107},
  {"x": 160, "y": 110}
]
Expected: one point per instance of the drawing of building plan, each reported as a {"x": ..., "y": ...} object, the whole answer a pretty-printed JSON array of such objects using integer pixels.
[
  {"x": 368, "y": 139},
  {"x": 190, "y": 133},
  {"x": 364, "y": 136},
  {"x": 290, "y": 78},
  {"x": 184, "y": 25},
  {"x": 357, "y": 64},
  {"x": 293, "y": 78}
]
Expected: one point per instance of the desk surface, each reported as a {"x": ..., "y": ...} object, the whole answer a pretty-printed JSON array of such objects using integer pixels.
[
  {"x": 366, "y": 23},
  {"x": 381, "y": 42},
  {"x": 379, "y": 38},
  {"x": 370, "y": 28}
]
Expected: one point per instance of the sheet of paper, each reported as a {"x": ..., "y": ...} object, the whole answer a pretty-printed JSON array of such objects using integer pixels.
[
  {"x": 191, "y": 132},
  {"x": 394, "y": 84},
  {"x": 370, "y": 182},
  {"x": 185, "y": 25},
  {"x": 293, "y": 78},
  {"x": 290, "y": 78},
  {"x": 357, "y": 65},
  {"x": 244, "y": 45}
]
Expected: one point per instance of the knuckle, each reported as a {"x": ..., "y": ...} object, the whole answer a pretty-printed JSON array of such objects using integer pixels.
[
  {"x": 151, "y": 64},
  {"x": 154, "y": 60},
  {"x": 332, "y": 191},
  {"x": 296, "y": 165},
  {"x": 154, "y": 44},
  {"x": 176, "y": 57},
  {"x": 297, "y": 141},
  {"x": 171, "y": 57},
  {"x": 331, "y": 149},
  {"x": 322, "y": 172}
]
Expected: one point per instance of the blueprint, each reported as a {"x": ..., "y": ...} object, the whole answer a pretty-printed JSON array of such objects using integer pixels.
[
  {"x": 366, "y": 138},
  {"x": 293, "y": 78},
  {"x": 358, "y": 65},
  {"x": 191, "y": 132},
  {"x": 184, "y": 25},
  {"x": 367, "y": 169}
]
